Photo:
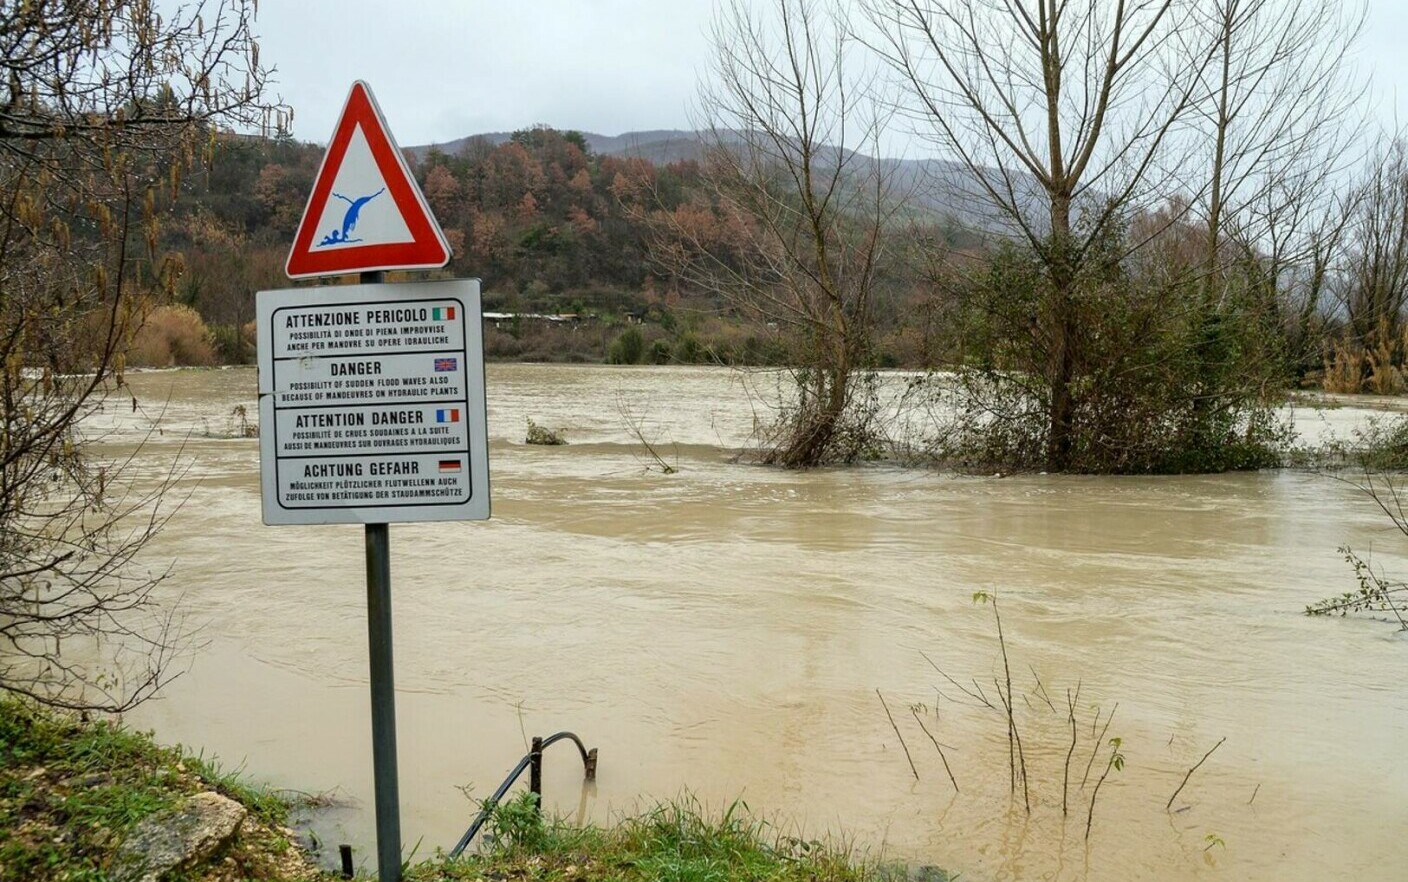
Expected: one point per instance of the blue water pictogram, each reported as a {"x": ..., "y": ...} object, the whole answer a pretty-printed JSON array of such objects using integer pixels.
[{"x": 349, "y": 220}]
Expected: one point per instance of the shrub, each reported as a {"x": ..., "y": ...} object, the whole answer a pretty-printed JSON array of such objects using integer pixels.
[
  {"x": 172, "y": 336},
  {"x": 688, "y": 350},
  {"x": 1379, "y": 367},
  {"x": 231, "y": 345},
  {"x": 543, "y": 435},
  {"x": 627, "y": 348},
  {"x": 1378, "y": 445},
  {"x": 1161, "y": 375}
]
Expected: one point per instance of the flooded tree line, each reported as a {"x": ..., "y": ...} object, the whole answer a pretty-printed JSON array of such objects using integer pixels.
[{"x": 1172, "y": 228}]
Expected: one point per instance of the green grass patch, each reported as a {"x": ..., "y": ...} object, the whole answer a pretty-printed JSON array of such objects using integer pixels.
[
  {"x": 70, "y": 791},
  {"x": 264, "y": 803},
  {"x": 673, "y": 842}
]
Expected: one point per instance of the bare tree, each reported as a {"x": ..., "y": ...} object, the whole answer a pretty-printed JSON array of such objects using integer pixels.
[
  {"x": 793, "y": 229},
  {"x": 1269, "y": 146},
  {"x": 1272, "y": 110},
  {"x": 1297, "y": 258},
  {"x": 1091, "y": 128},
  {"x": 1062, "y": 115},
  {"x": 108, "y": 102}
]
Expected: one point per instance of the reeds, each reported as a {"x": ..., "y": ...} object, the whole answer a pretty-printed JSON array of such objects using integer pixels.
[{"x": 1080, "y": 732}]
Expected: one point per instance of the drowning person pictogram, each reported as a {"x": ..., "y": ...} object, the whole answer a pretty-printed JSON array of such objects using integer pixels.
[{"x": 349, "y": 220}]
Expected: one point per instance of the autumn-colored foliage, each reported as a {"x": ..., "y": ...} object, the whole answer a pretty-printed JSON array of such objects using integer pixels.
[{"x": 172, "y": 336}]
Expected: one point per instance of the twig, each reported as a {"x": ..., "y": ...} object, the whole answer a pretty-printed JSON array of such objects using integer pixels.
[
  {"x": 1098, "y": 742},
  {"x": 1254, "y": 793},
  {"x": 1190, "y": 774},
  {"x": 636, "y": 426},
  {"x": 976, "y": 696},
  {"x": 936, "y": 747},
  {"x": 1094, "y": 794},
  {"x": 1014, "y": 737},
  {"x": 1041, "y": 689},
  {"x": 1066, "y": 773},
  {"x": 982, "y": 696},
  {"x": 897, "y": 733}
]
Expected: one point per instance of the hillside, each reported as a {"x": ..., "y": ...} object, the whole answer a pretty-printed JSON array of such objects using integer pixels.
[{"x": 553, "y": 223}]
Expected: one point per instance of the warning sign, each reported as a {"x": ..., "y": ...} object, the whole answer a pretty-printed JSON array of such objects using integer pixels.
[
  {"x": 371, "y": 402},
  {"x": 365, "y": 211}
]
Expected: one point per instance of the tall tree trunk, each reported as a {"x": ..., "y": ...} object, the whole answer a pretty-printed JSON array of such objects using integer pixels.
[{"x": 1062, "y": 359}]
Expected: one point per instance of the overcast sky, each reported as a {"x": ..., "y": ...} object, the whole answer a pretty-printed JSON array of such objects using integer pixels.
[{"x": 443, "y": 69}]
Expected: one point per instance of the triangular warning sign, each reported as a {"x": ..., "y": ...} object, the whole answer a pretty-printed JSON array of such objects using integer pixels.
[{"x": 365, "y": 212}]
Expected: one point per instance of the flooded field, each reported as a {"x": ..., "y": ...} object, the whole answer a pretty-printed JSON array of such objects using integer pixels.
[{"x": 723, "y": 631}]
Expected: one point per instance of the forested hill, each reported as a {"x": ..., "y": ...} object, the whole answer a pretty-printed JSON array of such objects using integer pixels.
[
  {"x": 940, "y": 189},
  {"x": 552, "y": 222}
]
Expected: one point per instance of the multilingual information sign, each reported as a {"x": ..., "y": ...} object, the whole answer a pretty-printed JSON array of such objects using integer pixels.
[{"x": 371, "y": 404}]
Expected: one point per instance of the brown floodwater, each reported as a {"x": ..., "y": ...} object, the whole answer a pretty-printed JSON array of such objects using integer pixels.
[{"x": 721, "y": 633}]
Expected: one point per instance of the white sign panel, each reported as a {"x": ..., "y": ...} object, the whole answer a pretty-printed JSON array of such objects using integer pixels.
[{"x": 371, "y": 404}]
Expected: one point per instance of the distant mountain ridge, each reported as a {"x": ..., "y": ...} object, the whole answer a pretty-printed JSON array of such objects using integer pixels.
[{"x": 660, "y": 146}]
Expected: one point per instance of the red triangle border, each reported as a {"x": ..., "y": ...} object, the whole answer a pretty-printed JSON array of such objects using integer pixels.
[{"x": 428, "y": 248}]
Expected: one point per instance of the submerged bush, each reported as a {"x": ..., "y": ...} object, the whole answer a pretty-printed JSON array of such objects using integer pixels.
[
  {"x": 1376, "y": 595},
  {"x": 1158, "y": 373},
  {"x": 1378, "y": 445},
  {"x": 543, "y": 435}
]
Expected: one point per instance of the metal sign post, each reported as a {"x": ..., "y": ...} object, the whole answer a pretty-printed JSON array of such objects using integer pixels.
[{"x": 386, "y": 781}]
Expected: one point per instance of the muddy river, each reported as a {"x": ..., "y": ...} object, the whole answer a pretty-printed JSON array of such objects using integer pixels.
[{"x": 722, "y": 632}]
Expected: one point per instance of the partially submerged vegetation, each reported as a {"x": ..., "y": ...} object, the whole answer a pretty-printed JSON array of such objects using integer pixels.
[
  {"x": 1377, "y": 446},
  {"x": 542, "y": 435},
  {"x": 1376, "y": 595},
  {"x": 1124, "y": 288}
]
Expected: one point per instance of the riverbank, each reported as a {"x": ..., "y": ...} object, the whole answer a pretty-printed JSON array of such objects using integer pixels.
[
  {"x": 99, "y": 802},
  {"x": 90, "y": 801}
]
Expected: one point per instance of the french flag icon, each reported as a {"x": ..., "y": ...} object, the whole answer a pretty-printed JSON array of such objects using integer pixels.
[{"x": 448, "y": 415}]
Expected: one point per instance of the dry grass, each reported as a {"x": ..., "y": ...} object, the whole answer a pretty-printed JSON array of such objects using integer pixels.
[
  {"x": 172, "y": 336},
  {"x": 1380, "y": 368}
]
